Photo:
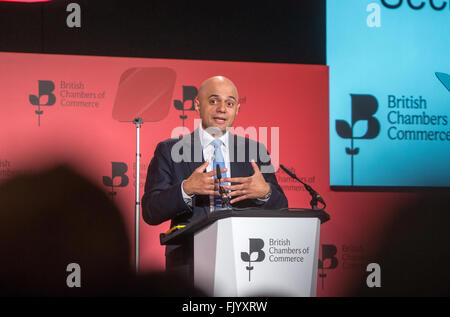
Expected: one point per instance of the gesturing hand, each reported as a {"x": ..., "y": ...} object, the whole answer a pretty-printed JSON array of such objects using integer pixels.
[
  {"x": 254, "y": 186},
  {"x": 200, "y": 183}
]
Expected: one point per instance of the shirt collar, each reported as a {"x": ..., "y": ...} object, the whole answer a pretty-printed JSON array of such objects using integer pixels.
[{"x": 206, "y": 138}]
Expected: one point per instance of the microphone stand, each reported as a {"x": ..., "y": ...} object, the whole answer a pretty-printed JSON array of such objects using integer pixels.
[
  {"x": 137, "y": 122},
  {"x": 316, "y": 198}
]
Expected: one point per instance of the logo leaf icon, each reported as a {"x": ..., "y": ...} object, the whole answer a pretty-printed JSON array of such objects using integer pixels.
[
  {"x": 33, "y": 100},
  {"x": 350, "y": 151},
  {"x": 44, "y": 100},
  {"x": 245, "y": 257},
  {"x": 360, "y": 128},
  {"x": 107, "y": 181},
  {"x": 343, "y": 129}
]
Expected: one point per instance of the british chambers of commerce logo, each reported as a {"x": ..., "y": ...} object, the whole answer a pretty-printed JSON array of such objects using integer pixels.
[
  {"x": 328, "y": 261},
  {"x": 364, "y": 125},
  {"x": 189, "y": 94},
  {"x": 66, "y": 94},
  {"x": 45, "y": 97},
  {"x": 118, "y": 177},
  {"x": 254, "y": 254}
]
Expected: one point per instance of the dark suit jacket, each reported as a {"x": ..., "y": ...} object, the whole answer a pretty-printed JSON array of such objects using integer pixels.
[{"x": 174, "y": 161}]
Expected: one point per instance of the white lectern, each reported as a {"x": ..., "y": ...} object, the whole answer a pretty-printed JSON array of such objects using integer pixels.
[{"x": 255, "y": 252}]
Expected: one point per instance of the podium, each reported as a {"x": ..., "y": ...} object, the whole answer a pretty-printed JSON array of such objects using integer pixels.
[{"x": 255, "y": 252}]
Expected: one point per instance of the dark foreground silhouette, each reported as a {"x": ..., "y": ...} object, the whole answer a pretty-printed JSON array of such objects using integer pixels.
[{"x": 56, "y": 217}]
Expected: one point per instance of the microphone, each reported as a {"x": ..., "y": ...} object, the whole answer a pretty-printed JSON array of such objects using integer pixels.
[
  {"x": 315, "y": 196},
  {"x": 218, "y": 173},
  {"x": 225, "y": 198}
]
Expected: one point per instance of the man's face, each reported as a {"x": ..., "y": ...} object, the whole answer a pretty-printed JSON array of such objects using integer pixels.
[{"x": 217, "y": 103}]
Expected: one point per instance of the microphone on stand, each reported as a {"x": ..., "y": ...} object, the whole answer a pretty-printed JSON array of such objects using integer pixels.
[
  {"x": 315, "y": 196},
  {"x": 225, "y": 198}
]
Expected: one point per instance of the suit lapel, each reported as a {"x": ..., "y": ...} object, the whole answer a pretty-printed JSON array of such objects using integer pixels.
[
  {"x": 196, "y": 151},
  {"x": 197, "y": 159},
  {"x": 238, "y": 169}
]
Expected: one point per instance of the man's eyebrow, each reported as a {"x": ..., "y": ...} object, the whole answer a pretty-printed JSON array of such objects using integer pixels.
[{"x": 217, "y": 96}]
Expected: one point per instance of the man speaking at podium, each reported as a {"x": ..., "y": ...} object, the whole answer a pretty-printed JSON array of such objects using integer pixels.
[{"x": 181, "y": 184}]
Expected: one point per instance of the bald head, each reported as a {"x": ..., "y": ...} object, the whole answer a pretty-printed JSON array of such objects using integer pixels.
[
  {"x": 214, "y": 81},
  {"x": 217, "y": 103}
]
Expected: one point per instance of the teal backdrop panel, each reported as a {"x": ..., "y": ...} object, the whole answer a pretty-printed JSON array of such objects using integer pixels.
[{"x": 389, "y": 92}]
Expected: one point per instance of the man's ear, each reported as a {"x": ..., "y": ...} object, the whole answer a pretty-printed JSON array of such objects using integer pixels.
[
  {"x": 238, "y": 107},
  {"x": 197, "y": 105}
]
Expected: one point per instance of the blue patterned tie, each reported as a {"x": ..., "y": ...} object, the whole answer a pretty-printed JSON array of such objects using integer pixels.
[{"x": 218, "y": 159}]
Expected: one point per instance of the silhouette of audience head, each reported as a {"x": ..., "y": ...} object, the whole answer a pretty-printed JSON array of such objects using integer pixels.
[{"x": 54, "y": 218}]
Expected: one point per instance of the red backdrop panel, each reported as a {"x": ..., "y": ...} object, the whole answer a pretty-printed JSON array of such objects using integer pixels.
[{"x": 70, "y": 118}]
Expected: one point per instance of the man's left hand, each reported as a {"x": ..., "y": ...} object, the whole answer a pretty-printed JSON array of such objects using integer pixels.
[{"x": 254, "y": 186}]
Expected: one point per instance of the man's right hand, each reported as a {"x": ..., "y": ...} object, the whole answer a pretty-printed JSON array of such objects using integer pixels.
[{"x": 200, "y": 183}]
